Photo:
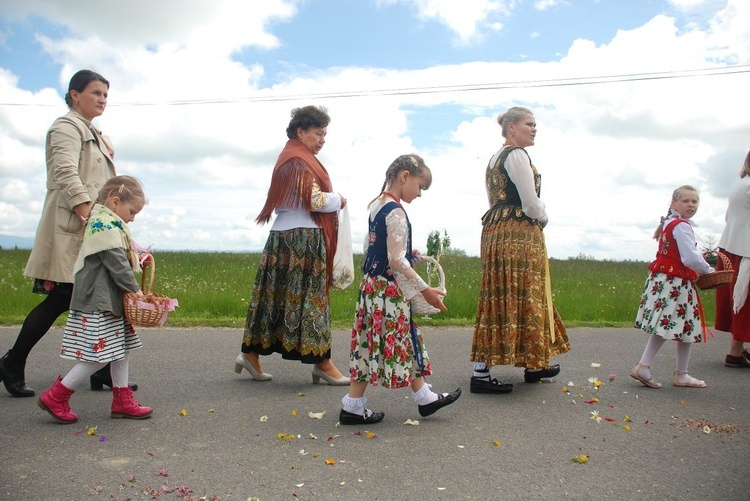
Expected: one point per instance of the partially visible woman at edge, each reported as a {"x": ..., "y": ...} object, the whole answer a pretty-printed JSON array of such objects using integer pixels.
[
  {"x": 79, "y": 162},
  {"x": 732, "y": 304},
  {"x": 289, "y": 311},
  {"x": 516, "y": 323}
]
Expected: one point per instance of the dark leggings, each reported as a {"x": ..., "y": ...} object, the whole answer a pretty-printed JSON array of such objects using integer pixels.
[{"x": 39, "y": 320}]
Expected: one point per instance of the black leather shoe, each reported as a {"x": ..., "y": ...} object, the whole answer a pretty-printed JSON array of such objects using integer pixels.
[
  {"x": 442, "y": 401},
  {"x": 12, "y": 376},
  {"x": 349, "y": 418},
  {"x": 103, "y": 377},
  {"x": 487, "y": 385},
  {"x": 536, "y": 376}
]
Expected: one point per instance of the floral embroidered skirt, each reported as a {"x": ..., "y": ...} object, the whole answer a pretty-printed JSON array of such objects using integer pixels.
[
  {"x": 511, "y": 327},
  {"x": 97, "y": 337},
  {"x": 289, "y": 311},
  {"x": 383, "y": 343},
  {"x": 670, "y": 308}
]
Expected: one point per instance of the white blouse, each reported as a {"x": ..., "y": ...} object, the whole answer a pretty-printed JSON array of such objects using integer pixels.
[
  {"x": 296, "y": 216},
  {"x": 407, "y": 278},
  {"x": 519, "y": 170}
]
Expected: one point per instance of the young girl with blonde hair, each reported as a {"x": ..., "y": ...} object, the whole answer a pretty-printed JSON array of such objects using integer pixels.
[
  {"x": 670, "y": 307},
  {"x": 96, "y": 332}
]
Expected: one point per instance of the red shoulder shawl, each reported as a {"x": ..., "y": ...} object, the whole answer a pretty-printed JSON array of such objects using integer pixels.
[{"x": 290, "y": 181}]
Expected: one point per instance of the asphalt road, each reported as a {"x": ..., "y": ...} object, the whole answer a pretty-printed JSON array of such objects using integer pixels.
[{"x": 240, "y": 438}]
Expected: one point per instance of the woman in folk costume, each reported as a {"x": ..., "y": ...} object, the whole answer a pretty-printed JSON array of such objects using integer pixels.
[
  {"x": 289, "y": 311},
  {"x": 732, "y": 304},
  {"x": 516, "y": 323}
]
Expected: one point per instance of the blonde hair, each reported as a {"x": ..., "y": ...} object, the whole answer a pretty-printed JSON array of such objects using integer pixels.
[
  {"x": 512, "y": 116},
  {"x": 126, "y": 188},
  {"x": 745, "y": 170},
  {"x": 676, "y": 194},
  {"x": 412, "y": 163}
]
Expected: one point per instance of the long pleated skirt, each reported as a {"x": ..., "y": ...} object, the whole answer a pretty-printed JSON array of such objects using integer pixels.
[
  {"x": 512, "y": 326},
  {"x": 289, "y": 311}
]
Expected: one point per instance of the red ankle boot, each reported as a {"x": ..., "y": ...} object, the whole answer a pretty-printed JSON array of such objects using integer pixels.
[
  {"x": 55, "y": 401},
  {"x": 124, "y": 405}
]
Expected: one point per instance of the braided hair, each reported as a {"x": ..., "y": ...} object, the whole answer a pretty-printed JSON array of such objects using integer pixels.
[{"x": 412, "y": 163}]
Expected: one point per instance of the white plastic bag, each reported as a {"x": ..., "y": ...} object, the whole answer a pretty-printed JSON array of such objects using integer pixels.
[{"x": 343, "y": 260}]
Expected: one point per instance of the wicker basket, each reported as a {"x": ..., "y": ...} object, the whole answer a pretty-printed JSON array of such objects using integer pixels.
[
  {"x": 152, "y": 310},
  {"x": 419, "y": 306},
  {"x": 717, "y": 278}
]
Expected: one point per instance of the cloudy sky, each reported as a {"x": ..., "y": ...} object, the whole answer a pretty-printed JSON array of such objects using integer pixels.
[{"x": 632, "y": 99}]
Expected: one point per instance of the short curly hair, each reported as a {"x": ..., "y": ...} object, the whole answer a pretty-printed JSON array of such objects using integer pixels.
[{"x": 306, "y": 118}]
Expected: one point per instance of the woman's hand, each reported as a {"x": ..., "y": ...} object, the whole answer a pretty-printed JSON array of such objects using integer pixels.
[
  {"x": 434, "y": 297},
  {"x": 343, "y": 200},
  {"x": 83, "y": 211}
]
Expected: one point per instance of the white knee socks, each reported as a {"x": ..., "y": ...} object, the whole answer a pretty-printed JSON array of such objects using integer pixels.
[{"x": 119, "y": 370}]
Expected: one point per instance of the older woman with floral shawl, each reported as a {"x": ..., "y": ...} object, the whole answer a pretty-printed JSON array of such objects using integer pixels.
[{"x": 289, "y": 310}]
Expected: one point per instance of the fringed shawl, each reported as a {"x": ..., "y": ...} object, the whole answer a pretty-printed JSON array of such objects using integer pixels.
[
  {"x": 291, "y": 182},
  {"x": 105, "y": 231}
]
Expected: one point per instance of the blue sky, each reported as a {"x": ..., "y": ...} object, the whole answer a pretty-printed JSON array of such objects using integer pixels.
[{"x": 201, "y": 94}]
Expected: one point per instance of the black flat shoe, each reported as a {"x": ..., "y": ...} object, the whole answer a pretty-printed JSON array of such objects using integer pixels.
[
  {"x": 487, "y": 385},
  {"x": 102, "y": 378},
  {"x": 442, "y": 401},
  {"x": 349, "y": 418},
  {"x": 13, "y": 378},
  {"x": 536, "y": 376}
]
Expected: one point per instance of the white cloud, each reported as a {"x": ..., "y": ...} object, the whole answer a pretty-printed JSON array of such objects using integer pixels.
[{"x": 610, "y": 154}]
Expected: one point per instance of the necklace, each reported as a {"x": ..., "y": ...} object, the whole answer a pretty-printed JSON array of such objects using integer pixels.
[{"x": 397, "y": 200}]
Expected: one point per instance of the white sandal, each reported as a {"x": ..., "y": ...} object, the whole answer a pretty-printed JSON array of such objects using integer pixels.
[
  {"x": 650, "y": 382},
  {"x": 690, "y": 383}
]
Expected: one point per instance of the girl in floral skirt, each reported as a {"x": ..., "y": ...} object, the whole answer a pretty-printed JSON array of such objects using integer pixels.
[
  {"x": 670, "y": 307},
  {"x": 386, "y": 346}
]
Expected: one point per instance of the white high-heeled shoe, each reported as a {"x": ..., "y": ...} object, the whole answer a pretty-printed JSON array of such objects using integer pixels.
[
  {"x": 241, "y": 363},
  {"x": 318, "y": 374}
]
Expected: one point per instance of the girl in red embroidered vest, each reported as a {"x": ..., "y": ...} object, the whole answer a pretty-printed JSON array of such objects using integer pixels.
[{"x": 670, "y": 307}]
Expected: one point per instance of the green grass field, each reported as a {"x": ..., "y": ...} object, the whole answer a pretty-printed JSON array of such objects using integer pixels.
[{"x": 213, "y": 290}]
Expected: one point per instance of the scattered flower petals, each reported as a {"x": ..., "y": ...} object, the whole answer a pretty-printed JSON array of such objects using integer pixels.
[
  {"x": 103, "y": 438},
  {"x": 263, "y": 419},
  {"x": 300, "y": 485},
  {"x": 441, "y": 488},
  {"x": 304, "y": 453},
  {"x": 626, "y": 428},
  {"x": 595, "y": 416},
  {"x": 592, "y": 401},
  {"x": 626, "y": 418},
  {"x": 580, "y": 458},
  {"x": 461, "y": 446},
  {"x": 595, "y": 365},
  {"x": 150, "y": 453},
  {"x": 682, "y": 403},
  {"x": 313, "y": 436},
  {"x": 183, "y": 412},
  {"x": 210, "y": 410},
  {"x": 317, "y": 415},
  {"x": 565, "y": 389},
  {"x": 706, "y": 429},
  {"x": 497, "y": 443},
  {"x": 412, "y": 422},
  {"x": 330, "y": 461},
  {"x": 294, "y": 413},
  {"x": 612, "y": 377},
  {"x": 371, "y": 435},
  {"x": 610, "y": 420},
  {"x": 300, "y": 394},
  {"x": 570, "y": 383}
]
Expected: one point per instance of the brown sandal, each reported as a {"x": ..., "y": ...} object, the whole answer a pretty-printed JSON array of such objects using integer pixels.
[{"x": 650, "y": 382}]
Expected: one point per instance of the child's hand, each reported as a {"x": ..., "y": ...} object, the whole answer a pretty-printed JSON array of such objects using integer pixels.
[
  {"x": 416, "y": 257},
  {"x": 434, "y": 297}
]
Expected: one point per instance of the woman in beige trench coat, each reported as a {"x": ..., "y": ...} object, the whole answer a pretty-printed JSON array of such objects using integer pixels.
[{"x": 79, "y": 162}]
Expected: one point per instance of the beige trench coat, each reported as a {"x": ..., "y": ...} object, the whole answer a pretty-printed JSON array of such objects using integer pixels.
[{"x": 79, "y": 162}]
